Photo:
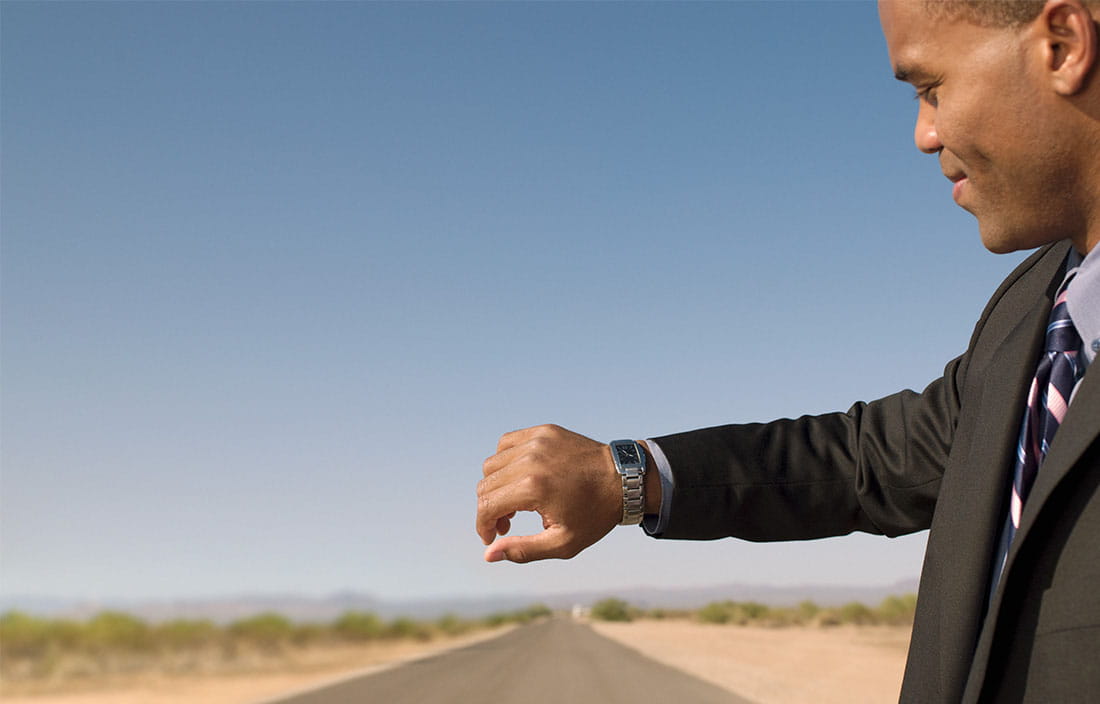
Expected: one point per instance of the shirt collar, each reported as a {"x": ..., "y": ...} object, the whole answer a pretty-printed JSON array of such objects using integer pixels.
[{"x": 1083, "y": 299}]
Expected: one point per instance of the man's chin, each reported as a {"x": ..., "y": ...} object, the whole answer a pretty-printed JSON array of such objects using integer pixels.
[
  {"x": 1000, "y": 241},
  {"x": 1000, "y": 247}
]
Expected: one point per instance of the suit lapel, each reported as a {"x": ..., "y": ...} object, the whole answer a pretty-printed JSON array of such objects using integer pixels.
[{"x": 980, "y": 502}]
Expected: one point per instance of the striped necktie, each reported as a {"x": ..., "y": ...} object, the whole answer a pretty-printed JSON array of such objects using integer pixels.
[{"x": 1048, "y": 400}]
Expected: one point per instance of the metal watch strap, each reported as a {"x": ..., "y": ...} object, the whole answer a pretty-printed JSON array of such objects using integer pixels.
[{"x": 629, "y": 457}]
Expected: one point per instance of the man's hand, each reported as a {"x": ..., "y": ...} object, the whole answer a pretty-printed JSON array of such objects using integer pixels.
[{"x": 567, "y": 478}]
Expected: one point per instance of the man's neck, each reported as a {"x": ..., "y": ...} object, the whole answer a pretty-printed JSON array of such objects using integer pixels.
[{"x": 1086, "y": 242}]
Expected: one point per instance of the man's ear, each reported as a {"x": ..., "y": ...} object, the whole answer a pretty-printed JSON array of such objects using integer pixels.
[{"x": 1070, "y": 38}]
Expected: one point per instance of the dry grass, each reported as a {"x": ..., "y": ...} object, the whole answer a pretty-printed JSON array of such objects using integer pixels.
[{"x": 250, "y": 678}]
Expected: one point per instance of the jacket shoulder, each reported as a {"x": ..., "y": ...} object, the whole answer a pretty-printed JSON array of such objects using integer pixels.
[
  {"x": 1031, "y": 278},
  {"x": 1034, "y": 279}
]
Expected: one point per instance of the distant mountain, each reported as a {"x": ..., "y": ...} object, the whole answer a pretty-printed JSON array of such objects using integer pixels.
[{"x": 304, "y": 608}]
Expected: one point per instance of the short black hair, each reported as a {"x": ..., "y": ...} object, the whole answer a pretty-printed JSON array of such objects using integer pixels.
[{"x": 987, "y": 13}]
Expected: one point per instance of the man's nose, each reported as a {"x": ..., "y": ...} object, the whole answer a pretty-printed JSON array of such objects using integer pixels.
[{"x": 928, "y": 141}]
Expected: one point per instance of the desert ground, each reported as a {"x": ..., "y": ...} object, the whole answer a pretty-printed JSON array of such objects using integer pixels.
[
  {"x": 849, "y": 664},
  {"x": 791, "y": 665}
]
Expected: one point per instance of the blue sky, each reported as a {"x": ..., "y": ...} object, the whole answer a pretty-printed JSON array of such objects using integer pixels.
[{"x": 275, "y": 277}]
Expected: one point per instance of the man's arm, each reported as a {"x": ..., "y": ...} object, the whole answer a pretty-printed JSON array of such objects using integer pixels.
[
  {"x": 875, "y": 468},
  {"x": 568, "y": 479}
]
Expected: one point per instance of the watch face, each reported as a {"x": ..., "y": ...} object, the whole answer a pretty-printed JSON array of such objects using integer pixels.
[{"x": 628, "y": 454}]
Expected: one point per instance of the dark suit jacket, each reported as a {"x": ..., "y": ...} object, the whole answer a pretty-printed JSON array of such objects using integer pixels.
[{"x": 943, "y": 460}]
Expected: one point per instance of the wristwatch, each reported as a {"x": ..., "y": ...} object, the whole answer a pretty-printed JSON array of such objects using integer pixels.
[{"x": 630, "y": 462}]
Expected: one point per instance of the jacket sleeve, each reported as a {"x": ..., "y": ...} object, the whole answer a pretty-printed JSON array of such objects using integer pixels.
[{"x": 876, "y": 469}]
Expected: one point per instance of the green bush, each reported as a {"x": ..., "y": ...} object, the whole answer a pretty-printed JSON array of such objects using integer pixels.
[
  {"x": 538, "y": 611},
  {"x": 716, "y": 612},
  {"x": 408, "y": 628},
  {"x": 856, "y": 613},
  {"x": 612, "y": 610},
  {"x": 780, "y": 618},
  {"x": 24, "y": 636},
  {"x": 754, "y": 611},
  {"x": 526, "y": 615},
  {"x": 112, "y": 631},
  {"x": 267, "y": 630},
  {"x": 807, "y": 611},
  {"x": 740, "y": 613},
  {"x": 358, "y": 626},
  {"x": 897, "y": 610},
  {"x": 305, "y": 634},
  {"x": 452, "y": 625},
  {"x": 187, "y": 634}
]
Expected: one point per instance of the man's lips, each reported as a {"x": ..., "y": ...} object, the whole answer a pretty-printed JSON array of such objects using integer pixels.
[
  {"x": 956, "y": 191},
  {"x": 960, "y": 180}
]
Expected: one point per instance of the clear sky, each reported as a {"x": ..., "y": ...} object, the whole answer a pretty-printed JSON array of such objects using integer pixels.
[{"x": 275, "y": 277}]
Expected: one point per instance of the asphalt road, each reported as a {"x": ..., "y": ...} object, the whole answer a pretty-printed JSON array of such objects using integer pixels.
[{"x": 554, "y": 662}]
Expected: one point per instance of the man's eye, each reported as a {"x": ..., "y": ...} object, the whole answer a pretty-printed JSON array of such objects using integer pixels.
[{"x": 928, "y": 95}]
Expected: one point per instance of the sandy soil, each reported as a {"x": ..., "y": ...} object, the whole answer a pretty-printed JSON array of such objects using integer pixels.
[
  {"x": 309, "y": 670},
  {"x": 838, "y": 665}
]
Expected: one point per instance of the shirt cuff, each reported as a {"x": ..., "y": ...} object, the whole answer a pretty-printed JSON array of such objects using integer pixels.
[{"x": 655, "y": 524}]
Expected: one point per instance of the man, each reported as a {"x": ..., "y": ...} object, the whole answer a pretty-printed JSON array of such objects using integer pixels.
[{"x": 1000, "y": 457}]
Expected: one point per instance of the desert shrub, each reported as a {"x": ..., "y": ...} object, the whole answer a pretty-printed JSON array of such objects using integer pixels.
[
  {"x": 807, "y": 611},
  {"x": 24, "y": 636},
  {"x": 525, "y": 615},
  {"x": 538, "y": 611},
  {"x": 305, "y": 634},
  {"x": 740, "y": 613},
  {"x": 612, "y": 609},
  {"x": 856, "y": 613},
  {"x": 716, "y": 612},
  {"x": 782, "y": 617},
  {"x": 452, "y": 625},
  {"x": 358, "y": 626},
  {"x": 754, "y": 611},
  {"x": 267, "y": 630},
  {"x": 661, "y": 614},
  {"x": 186, "y": 634},
  {"x": 828, "y": 617},
  {"x": 897, "y": 610},
  {"x": 408, "y": 628},
  {"x": 114, "y": 631}
]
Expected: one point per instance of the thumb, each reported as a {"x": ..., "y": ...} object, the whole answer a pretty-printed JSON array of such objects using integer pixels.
[{"x": 526, "y": 548}]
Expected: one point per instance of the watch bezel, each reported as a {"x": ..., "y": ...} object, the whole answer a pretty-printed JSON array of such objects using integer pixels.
[{"x": 622, "y": 466}]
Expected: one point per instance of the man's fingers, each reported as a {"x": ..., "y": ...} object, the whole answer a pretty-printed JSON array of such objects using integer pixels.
[
  {"x": 526, "y": 548},
  {"x": 500, "y": 460},
  {"x": 493, "y": 505},
  {"x": 518, "y": 437},
  {"x": 513, "y": 438}
]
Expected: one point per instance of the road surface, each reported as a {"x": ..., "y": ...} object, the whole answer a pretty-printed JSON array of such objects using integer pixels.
[{"x": 554, "y": 662}]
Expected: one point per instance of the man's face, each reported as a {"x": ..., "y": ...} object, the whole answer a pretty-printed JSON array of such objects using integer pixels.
[{"x": 985, "y": 113}]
